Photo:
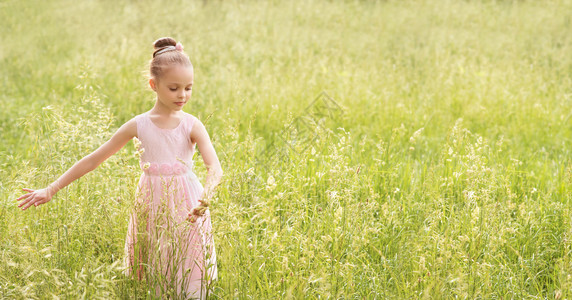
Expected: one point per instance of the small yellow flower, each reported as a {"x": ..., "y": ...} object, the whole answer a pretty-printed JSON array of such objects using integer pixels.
[
  {"x": 136, "y": 143},
  {"x": 270, "y": 183},
  {"x": 270, "y": 180}
]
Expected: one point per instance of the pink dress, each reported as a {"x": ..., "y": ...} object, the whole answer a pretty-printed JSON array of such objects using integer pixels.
[{"x": 176, "y": 256}]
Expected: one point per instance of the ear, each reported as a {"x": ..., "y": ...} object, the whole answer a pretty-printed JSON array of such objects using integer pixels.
[{"x": 152, "y": 84}]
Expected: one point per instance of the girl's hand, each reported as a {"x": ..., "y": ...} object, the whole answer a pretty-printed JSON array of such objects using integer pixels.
[
  {"x": 198, "y": 211},
  {"x": 34, "y": 197}
]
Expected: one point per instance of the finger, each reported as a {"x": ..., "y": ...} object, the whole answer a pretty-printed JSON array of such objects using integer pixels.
[
  {"x": 27, "y": 203},
  {"x": 24, "y": 196},
  {"x": 28, "y": 190},
  {"x": 34, "y": 203}
]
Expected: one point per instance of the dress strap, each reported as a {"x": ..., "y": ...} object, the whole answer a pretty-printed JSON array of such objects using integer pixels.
[
  {"x": 191, "y": 121},
  {"x": 141, "y": 124}
]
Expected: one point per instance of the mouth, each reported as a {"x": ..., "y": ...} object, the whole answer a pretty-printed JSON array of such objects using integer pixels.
[{"x": 180, "y": 103}]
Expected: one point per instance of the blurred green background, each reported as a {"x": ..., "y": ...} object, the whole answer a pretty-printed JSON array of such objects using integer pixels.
[{"x": 447, "y": 175}]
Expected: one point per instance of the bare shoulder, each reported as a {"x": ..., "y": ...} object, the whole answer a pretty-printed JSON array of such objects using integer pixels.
[
  {"x": 128, "y": 129},
  {"x": 198, "y": 131}
]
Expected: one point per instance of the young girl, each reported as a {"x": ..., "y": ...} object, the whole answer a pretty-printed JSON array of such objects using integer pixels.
[{"x": 169, "y": 235}]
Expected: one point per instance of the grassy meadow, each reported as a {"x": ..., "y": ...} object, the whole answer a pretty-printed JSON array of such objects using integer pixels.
[{"x": 442, "y": 167}]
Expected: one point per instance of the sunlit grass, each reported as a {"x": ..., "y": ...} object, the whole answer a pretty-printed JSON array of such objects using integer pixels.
[{"x": 447, "y": 175}]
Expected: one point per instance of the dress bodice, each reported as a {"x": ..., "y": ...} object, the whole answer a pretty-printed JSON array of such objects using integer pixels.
[{"x": 166, "y": 151}]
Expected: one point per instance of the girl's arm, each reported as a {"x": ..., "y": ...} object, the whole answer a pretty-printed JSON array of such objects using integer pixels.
[
  {"x": 200, "y": 136},
  {"x": 82, "y": 167}
]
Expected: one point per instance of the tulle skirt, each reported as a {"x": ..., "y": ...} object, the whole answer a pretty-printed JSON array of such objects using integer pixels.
[{"x": 177, "y": 257}]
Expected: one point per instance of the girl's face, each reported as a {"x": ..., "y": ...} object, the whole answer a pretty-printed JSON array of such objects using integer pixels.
[{"x": 174, "y": 87}]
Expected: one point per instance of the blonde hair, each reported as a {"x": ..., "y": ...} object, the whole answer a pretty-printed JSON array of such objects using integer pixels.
[{"x": 164, "y": 55}]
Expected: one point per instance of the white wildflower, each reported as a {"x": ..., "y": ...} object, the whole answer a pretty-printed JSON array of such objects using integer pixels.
[
  {"x": 416, "y": 135},
  {"x": 270, "y": 183},
  {"x": 136, "y": 143},
  {"x": 271, "y": 180}
]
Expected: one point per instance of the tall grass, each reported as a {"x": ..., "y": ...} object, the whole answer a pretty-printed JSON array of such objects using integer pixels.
[{"x": 447, "y": 175}]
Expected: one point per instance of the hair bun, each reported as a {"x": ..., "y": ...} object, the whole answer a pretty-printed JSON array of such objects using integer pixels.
[
  {"x": 164, "y": 42},
  {"x": 167, "y": 52}
]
